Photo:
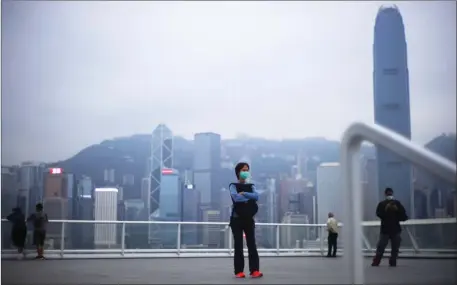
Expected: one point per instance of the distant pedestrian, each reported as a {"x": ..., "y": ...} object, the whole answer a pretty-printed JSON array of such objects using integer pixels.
[
  {"x": 391, "y": 212},
  {"x": 39, "y": 220},
  {"x": 244, "y": 198},
  {"x": 332, "y": 228},
  {"x": 18, "y": 231}
]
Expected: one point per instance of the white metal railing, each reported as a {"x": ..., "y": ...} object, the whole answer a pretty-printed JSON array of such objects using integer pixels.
[
  {"x": 315, "y": 247},
  {"x": 350, "y": 162}
]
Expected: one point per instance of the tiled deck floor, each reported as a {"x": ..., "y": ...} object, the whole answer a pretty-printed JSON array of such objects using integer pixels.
[{"x": 277, "y": 270}]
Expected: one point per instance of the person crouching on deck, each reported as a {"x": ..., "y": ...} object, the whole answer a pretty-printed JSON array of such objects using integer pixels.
[{"x": 244, "y": 198}]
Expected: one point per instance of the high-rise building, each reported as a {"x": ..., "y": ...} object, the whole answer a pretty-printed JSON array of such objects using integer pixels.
[
  {"x": 161, "y": 157},
  {"x": 211, "y": 233},
  {"x": 72, "y": 192},
  {"x": 170, "y": 195},
  {"x": 170, "y": 208},
  {"x": 329, "y": 193},
  {"x": 57, "y": 209},
  {"x": 136, "y": 234},
  {"x": 288, "y": 193},
  {"x": 128, "y": 180},
  {"x": 105, "y": 209},
  {"x": 9, "y": 190},
  {"x": 83, "y": 234},
  {"x": 9, "y": 193},
  {"x": 56, "y": 204},
  {"x": 145, "y": 190},
  {"x": 225, "y": 204},
  {"x": 55, "y": 184},
  {"x": 293, "y": 237},
  {"x": 272, "y": 198},
  {"x": 109, "y": 176},
  {"x": 191, "y": 213},
  {"x": 391, "y": 101},
  {"x": 369, "y": 189},
  {"x": 207, "y": 163},
  {"x": 85, "y": 186},
  {"x": 31, "y": 185}
]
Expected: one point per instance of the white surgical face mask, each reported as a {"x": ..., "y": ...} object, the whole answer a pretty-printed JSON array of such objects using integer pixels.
[{"x": 390, "y": 197}]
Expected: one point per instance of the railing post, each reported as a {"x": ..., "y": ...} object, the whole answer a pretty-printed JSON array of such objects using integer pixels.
[
  {"x": 62, "y": 240},
  {"x": 366, "y": 242},
  {"x": 277, "y": 239},
  {"x": 322, "y": 234},
  {"x": 352, "y": 230},
  {"x": 413, "y": 240},
  {"x": 123, "y": 239},
  {"x": 178, "y": 240}
]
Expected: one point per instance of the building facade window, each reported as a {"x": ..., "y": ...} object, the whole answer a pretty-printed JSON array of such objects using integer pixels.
[
  {"x": 391, "y": 106},
  {"x": 390, "y": 71}
]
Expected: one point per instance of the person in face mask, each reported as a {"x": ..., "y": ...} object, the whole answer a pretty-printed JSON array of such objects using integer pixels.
[
  {"x": 244, "y": 198},
  {"x": 391, "y": 212}
]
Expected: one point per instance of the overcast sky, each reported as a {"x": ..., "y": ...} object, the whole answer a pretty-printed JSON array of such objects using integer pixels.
[{"x": 76, "y": 73}]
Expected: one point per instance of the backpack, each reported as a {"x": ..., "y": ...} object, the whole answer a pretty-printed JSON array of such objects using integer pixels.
[
  {"x": 393, "y": 208},
  {"x": 244, "y": 209}
]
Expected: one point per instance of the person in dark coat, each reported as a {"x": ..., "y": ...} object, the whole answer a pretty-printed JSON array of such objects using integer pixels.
[
  {"x": 391, "y": 212},
  {"x": 244, "y": 198},
  {"x": 18, "y": 231}
]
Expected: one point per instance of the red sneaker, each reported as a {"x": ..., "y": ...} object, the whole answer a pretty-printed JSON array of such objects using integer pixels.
[
  {"x": 256, "y": 274},
  {"x": 240, "y": 275}
]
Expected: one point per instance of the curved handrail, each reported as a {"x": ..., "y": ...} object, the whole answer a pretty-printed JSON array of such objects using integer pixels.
[{"x": 354, "y": 135}]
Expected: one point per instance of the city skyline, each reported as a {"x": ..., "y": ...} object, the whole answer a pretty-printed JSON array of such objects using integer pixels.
[{"x": 288, "y": 54}]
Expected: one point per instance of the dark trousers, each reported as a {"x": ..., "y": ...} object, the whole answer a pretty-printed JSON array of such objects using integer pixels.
[
  {"x": 395, "y": 241},
  {"x": 238, "y": 226},
  {"x": 18, "y": 236},
  {"x": 332, "y": 244},
  {"x": 39, "y": 237}
]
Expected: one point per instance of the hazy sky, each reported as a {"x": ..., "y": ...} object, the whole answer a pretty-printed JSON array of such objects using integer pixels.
[{"x": 76, "y": 73}]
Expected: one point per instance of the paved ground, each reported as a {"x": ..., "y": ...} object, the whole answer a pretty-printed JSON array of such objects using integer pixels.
[{"x": 278, "y": 270}]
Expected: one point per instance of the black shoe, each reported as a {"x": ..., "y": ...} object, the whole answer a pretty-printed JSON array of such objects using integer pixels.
[{"x": 392, "y": 263}]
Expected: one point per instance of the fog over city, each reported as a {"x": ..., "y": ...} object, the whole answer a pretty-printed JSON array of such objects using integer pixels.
[{"x": 77, "y": 73}]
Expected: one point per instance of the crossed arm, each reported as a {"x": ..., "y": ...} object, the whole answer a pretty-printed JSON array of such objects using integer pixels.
[{"x": 243, "y": 196}]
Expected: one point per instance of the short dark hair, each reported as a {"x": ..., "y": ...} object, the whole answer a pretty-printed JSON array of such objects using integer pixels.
[
  {"x": 388, "y": 191},
  {"x": 240, "y": 166},
  {"x": 39, "y": 207}
]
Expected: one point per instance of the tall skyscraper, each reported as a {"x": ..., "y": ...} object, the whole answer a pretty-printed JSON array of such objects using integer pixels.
[
  {"x": 329, "y": 194},
  {"x": 211, "y": 233},
  {"x": 207, "y": 163},
  {"x": 161, "y": 157},
  {"x": 31, "y": 185},
  {"x": 191, "y": 213},
  {"x": 56, "y": 204},
  {"x": 105, "y": 209},
  {"x": 369, "y": 188},
  {"x": 171, "y": 195},
  {"x": 85, "y": 186},
  {"x": 391, "y": 100}
]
